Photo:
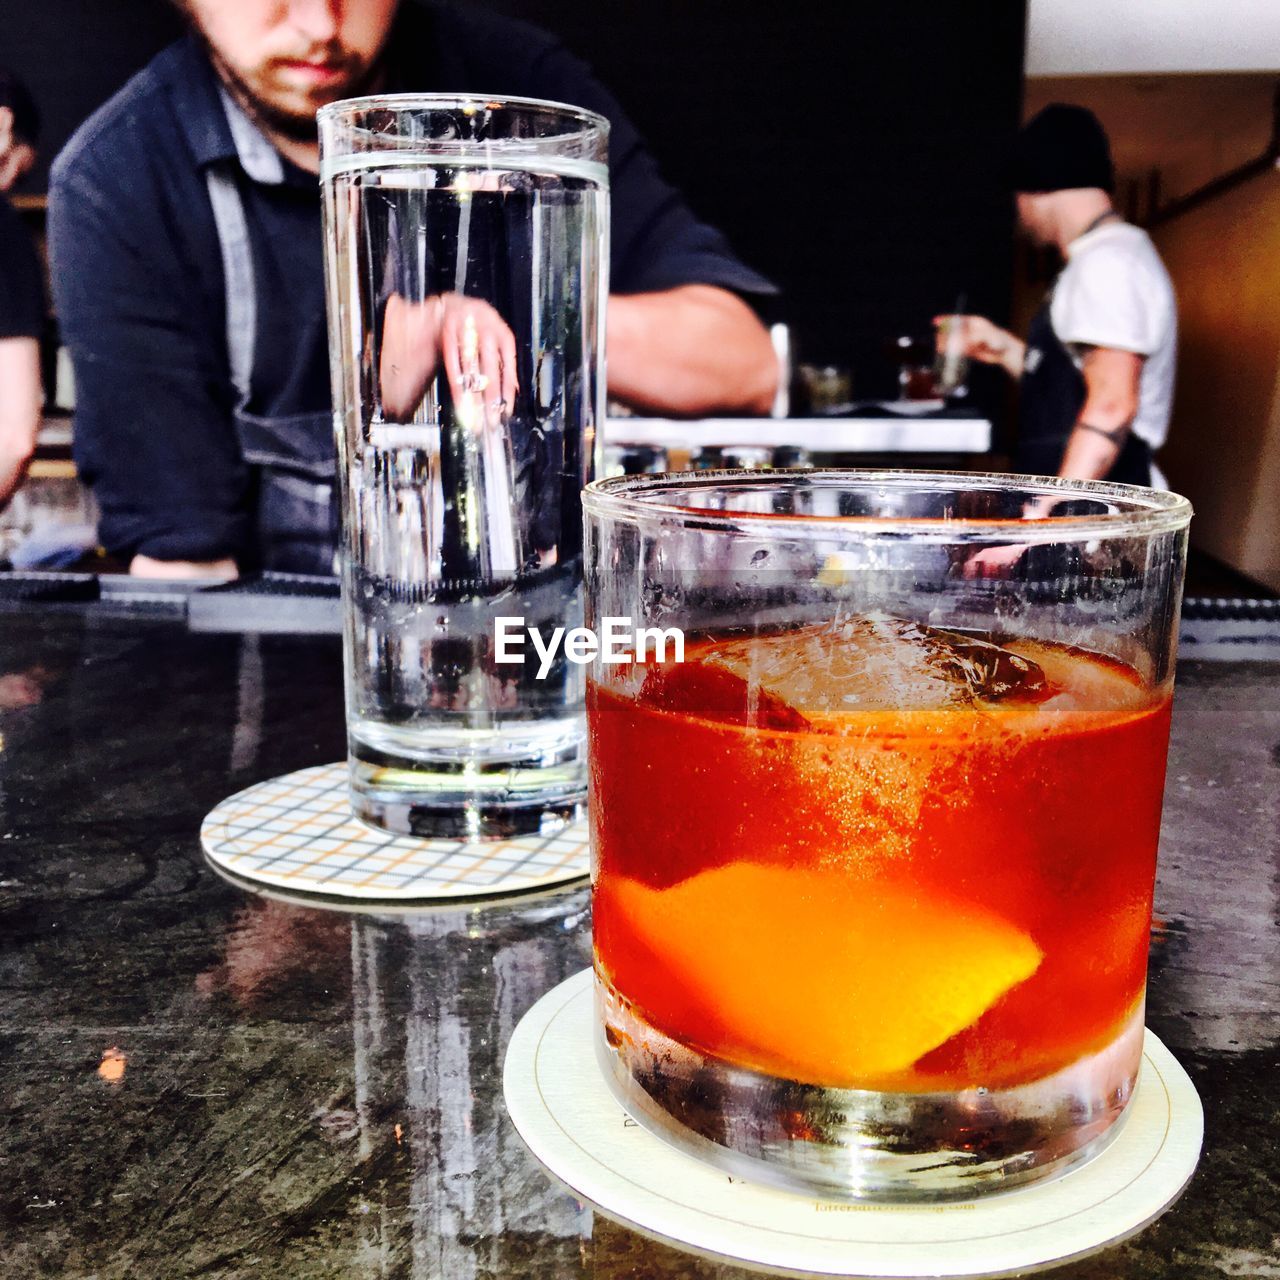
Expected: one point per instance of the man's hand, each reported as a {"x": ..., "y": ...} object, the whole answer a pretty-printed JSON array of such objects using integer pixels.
[
  {"x": 215, "y": 570},
  {"x": 474, "y": 343},
  {"x": 20, "y": 404},
  {"x": 993, "y": 562},
  {"x": 19, "y": 689},
  {"x": 981, "y": 340},
  {"x": 1112, "y": 380},
  {"x": 16, "y": 156},
  {"x": 689, "y": 351},
  {"x": 996, "y": 562}
]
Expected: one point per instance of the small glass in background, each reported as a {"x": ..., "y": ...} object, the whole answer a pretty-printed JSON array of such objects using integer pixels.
[
  {"x": 951, "y": 364},
  {"x": 827, "y": 389},
  {"x": 634, "y": 459},
  {"x": 917, "y": 378},
  {"x": 747, "y": 457},
  {"x": 791, "y": 456}
]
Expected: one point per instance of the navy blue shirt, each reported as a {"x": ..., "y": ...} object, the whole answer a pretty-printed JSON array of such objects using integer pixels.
[{"x": 138, "y": 280}]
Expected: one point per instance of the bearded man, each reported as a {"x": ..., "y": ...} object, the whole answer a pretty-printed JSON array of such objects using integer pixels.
[{"x": 173, "y": 441}]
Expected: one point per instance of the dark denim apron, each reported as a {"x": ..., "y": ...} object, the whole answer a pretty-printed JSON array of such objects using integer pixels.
[
  {"x": 293, "y": 456},
  {"x": 1053, "y": 393}
]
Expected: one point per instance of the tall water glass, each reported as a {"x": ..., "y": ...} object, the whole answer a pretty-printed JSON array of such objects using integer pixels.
[
  {"x": 466, "y": 252},
  {"x": 874, "y": 831}
]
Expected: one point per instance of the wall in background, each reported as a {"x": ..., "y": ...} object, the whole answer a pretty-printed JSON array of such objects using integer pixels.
[
  {"x": 1101, "y": 37},
  {"x": 852, "y": 152},
  {"x": 74, "y": 54},
  {"x": 1224, "y": 444},
  {"x": 1171, "y": 134}
]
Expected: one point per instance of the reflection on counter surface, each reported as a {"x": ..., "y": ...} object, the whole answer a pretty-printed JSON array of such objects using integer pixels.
[{"x": 203, "y": 1081}]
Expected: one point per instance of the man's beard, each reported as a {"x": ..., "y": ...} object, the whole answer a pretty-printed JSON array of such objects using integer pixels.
[{"x": 296, "y": 126}]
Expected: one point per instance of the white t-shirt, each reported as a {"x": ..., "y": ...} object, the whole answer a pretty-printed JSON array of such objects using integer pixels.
[{"x": 1115, "y": 292}]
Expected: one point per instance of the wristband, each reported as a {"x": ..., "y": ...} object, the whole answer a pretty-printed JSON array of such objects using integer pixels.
[{"x": 1116, "y": 435}]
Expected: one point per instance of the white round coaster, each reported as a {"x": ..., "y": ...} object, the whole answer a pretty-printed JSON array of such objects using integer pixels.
[
  {"x": 297, "y": 832},
  {"x": 563, "y": 1109}
]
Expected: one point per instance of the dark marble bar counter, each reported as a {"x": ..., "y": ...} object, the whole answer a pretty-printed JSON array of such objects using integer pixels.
[{"x": 200, "y": 1081}]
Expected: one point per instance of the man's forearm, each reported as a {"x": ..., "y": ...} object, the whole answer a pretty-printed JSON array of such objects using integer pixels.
[
  {"x": 1111, "y": 401},
  {"x": 220, "y": 570},
  {"x": 1092, "y": 449},
  {"x": 19, "y": 410},
  {"x": 13, "y": 467},
  {"x": 689, "y": 351},
  {"x": 143, "y": 360}
]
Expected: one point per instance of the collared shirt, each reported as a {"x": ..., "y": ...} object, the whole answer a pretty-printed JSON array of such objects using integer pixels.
[{"x": 138, "y": 280}]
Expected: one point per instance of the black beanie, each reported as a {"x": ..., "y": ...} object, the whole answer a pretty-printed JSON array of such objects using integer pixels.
[{"x": 1060, "y": 148}]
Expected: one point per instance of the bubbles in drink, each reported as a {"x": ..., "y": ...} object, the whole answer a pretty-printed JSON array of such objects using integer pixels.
[{"x": 945, "y": 833}]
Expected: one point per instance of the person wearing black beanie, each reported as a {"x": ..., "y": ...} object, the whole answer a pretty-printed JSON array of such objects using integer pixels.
[{"x": 1096, "y": 369}]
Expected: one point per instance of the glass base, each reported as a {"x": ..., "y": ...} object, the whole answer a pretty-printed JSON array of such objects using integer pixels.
[
  {"x": 853, "y": 1144},
  {"x": 470, "y": 785}
]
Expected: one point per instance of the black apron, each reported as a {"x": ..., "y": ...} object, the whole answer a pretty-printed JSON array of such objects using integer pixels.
[
  {"x": 293, "y": 456},
  {"x": 1053, "y": 393}
]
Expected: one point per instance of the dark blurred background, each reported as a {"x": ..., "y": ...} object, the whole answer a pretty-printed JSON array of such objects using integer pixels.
[
  {"x": 852, "y": 152},
  {"x": 855, "y": 153},
  {"x": 74, "y": 54}
]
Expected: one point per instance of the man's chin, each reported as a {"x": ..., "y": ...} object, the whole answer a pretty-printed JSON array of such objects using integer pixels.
[
  {"x": 293, "y": 114},
  {"x": 299, "y": 96},
  {"x": 294, "y": 121},
  {"x": 290, "y": 109},
  {"x": 301, "y": 99}
]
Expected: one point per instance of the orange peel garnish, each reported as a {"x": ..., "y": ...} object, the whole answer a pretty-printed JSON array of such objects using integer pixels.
[{"x": 819, "y": 975}]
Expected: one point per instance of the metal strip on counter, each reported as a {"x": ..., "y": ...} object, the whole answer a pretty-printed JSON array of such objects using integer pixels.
[{"x": 819, "y": 435}]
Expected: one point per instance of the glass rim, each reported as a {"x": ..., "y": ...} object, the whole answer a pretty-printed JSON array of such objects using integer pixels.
[
  {"x": 1150, "y": 511},
  {"x": 350, "y": 107}
]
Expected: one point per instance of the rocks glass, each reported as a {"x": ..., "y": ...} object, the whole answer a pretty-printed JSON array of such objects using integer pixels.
[{"x": 874, "y": 844}]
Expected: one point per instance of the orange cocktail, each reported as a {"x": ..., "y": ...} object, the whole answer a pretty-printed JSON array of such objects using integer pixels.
[
  {"x": 873, "y": 880},
  {"x": 933, "y": 896}
]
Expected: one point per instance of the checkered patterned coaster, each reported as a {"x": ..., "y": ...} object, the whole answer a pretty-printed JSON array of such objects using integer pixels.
[{"x": 297, "y": 832}]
